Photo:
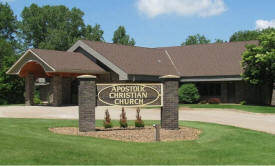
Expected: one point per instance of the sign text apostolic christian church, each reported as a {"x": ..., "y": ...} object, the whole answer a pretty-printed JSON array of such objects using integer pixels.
[{"x": 129, "y": 95}]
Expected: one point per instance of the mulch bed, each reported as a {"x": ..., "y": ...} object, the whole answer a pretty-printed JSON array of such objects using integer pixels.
[{"x": 132, "y": 134}]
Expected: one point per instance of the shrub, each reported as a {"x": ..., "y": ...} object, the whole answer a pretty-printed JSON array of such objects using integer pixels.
[
  {"x": 36, "y": 100},
  {"x": 123, "y": 119},
  {"x": 107, "y": 120},
  {"x": 36, "y": 97},
  {"x": 139, "y": 122},
  {"x": 243, "y": 102},
  {"x": 188, "y": 93},
  {"x": 3, "y": 102},
  {"x": 203, "y": 102},
  {"x": 214, "y": 100}
]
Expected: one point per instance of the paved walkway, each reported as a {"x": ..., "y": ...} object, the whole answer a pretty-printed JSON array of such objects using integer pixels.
[{"x": 254, "y": 121}]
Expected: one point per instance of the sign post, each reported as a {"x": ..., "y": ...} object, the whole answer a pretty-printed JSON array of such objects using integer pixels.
[
  {"x": 87, "y": 102},
  {"x": 170, "y": 109}
]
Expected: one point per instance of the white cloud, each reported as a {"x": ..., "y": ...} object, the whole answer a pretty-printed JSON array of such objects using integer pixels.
[
  {"x": 263, "y": 24},
  {"x": 203, "y": 8}
]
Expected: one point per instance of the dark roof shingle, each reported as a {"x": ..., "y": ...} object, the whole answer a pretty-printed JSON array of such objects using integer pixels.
[
  {"x": 63, "y": 61},
  {"x": 220, "y": 59},
  {"x": 134, "y": 60}
]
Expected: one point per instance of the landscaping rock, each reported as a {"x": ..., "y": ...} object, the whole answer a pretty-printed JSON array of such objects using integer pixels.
[{"x": 132, "y": 134}]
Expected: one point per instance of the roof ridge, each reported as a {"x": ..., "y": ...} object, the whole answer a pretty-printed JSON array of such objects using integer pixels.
[
  {"x": 172, "y": 62},
  {"x": 117, "y": 44},
  {"x": 33, "y": 49},
  {"x": 197, "y": 45}
]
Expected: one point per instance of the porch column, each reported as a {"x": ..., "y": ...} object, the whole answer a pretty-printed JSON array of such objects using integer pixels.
[
  {"x": 29, "y": 89},
  {"x": 170, "y": 109},
  {"x": 57, "y": 90}
]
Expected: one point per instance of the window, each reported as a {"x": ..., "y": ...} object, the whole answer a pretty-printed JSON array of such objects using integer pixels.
[{"x": 209, "y": 89}]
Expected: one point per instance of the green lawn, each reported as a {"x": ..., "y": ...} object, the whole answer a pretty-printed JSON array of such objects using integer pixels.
[
  {"x": 28, "y": 141},
  {"x": 12, "y": 105},
  {"x": 249, "y": 108}
]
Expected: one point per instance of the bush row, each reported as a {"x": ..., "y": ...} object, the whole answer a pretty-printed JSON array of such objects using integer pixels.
[{"x": 123, "y": 119}]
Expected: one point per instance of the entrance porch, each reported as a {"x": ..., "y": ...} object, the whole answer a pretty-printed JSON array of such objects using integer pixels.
[{"x": 53, "y": 74}]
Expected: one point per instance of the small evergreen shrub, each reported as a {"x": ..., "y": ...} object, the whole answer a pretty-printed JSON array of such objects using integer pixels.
[
  {"x": 107, "y": 120},
  {"x": 139, "y": 122},
  {"x": 243, "y": 102},
  {"x": 123, "y": 119},
  {"x": 36, "y": 97},
  {"x": 188, "y": 94},
  {"x": 36, "y": 101}
]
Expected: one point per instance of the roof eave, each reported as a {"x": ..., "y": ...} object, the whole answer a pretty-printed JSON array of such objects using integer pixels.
[{"x": 212, "y": 78}]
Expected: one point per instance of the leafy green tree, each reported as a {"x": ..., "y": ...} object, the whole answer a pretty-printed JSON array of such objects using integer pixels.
[
  {"x": 219, "y": 41},
  {"x": 244, "y": 36},
  {"x": 94, "y": 33},
  {"x": 11, "y": 87},
  {"x": 55, "y": 27},
  {"x": 196, "y": 39},
  {"x": 8, "y": 22},
  {"x": 258, "y": 62},
  {"x": 121, "y": 37},
  {"x": 5, "y": 50}
]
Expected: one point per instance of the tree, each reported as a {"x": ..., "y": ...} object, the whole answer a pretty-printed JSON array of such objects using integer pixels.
[
  {"x": 196, "y": 39},
  {"x": 220, "y": 41},
  {"x": 258, "y": 62},
  {"x": 120, "y": 37},
  {"x": 55, "y": 27},
  {"x": 5, "y": 50},
  {"x": 8, "y": 22},
  {"x": 94, "y": 33},
  {"x": 245, "y": 36},
  {"x": 11, "y": 87}
]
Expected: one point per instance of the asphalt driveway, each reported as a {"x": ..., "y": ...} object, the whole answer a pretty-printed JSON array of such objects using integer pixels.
[{"x": 254, "y": 121}]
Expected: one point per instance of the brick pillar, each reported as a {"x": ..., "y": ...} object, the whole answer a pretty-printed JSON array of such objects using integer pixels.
[
  {"x": 170, "y": 109},
  {"x": 29, "y": 89},
  {"x": 57, "y": 90},
  {"x": 87, "y": 102}
]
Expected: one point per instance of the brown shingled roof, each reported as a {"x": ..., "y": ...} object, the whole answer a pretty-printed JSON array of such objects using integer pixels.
[
  {"x": 63, "y": 61},
  {"x": 135, "y": 60},
  {"x": 220, "y": 59}
]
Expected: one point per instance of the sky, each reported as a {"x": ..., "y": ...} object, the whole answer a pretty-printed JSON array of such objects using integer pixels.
[{"x": 159, "y": 23}]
